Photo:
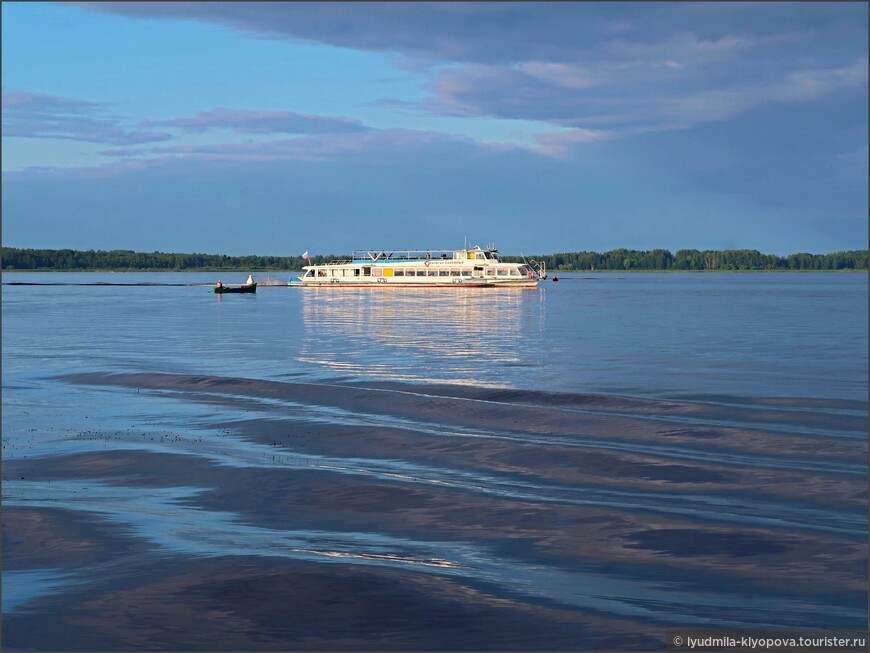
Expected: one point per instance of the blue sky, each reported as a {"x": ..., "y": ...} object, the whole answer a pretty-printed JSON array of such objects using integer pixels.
[{"x": 273, "y": 128}]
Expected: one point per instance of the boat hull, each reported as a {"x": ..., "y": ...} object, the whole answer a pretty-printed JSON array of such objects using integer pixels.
[
  {"x": 223, "y": 290},
  {"x": 471, "y": 283}
]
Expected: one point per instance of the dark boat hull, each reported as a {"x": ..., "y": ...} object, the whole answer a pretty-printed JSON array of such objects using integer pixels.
[{"x": 222, "y": 290}]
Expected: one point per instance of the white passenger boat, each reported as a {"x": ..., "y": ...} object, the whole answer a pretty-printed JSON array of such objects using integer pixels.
[{"x": 466, "y": 267}]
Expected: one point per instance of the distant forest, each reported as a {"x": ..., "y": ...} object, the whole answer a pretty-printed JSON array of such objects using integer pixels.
[
  {"x": 693, "y": 259},
  {"x": 618, "y": 259}
]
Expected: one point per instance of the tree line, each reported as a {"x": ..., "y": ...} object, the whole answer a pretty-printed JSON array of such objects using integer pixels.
[
  {"x": 121, "y": 259},
  {"x": 618, "y": 259},
  {"x": 693, "y": 259}
]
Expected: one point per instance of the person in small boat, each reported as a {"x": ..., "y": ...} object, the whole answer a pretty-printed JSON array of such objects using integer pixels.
[
  {"x": 219, "y": 284},
  {"x": 250, "y": 280}
]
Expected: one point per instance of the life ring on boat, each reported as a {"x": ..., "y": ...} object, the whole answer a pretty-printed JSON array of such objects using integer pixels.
[{"x": 426, "y": 263}]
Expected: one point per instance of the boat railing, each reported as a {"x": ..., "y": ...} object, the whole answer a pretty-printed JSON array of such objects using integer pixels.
[
  {"x": 376, "y": 255},
  {"x": 538, "y": 267}
]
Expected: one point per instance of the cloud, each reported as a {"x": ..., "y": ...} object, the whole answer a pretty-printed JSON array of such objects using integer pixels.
[
  {"x": 626, "y": 101},
  {"x": 559, "y": 143},
  {"x": 511, "y": 32},
  {"x": 689, "y": 46},
  {"x": 468, "y": 31},
  {"x": 261, "y": 122},
  {"x": 807, "y": 85},
  {"x": 561, "y": 74},
  {"x": 592, "y": 67},
  {"x": 124, "y": 152},
  {"x": 372, "y": 147},
  {"x": 35, "y": 115}
]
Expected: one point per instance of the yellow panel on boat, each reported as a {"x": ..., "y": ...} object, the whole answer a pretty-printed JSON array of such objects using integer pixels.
[
  {"x": 471, "y": 255},
  {"x": 388, "y": 272}
]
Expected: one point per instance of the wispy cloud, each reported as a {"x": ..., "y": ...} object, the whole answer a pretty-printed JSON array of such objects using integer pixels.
[
  {"x": 35, "y": 115},
  {"x": 560, "y": 143},
  {"x": 623, "y": 100},
  {"x": 561, "y": 74},
  {"x": 261, "y": 122},
  {"x": 382, "y": 143}
]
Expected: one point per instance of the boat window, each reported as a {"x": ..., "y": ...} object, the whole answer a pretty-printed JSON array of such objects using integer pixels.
[
  {"x": 376, "y": 272},
  {"x": 399, "y": 273},
  {"x": 433, "y": 273},
  {"x": 444, "y": 273},
  {"x": 490, "y": 272},
  {"x": 466, "y": 273},
  {"x": 454, "y": 273},
  {"x": 321, "y": 273},
  {"x": 502, "y": 272},
  {"x": 515, "y": 272},
  {"x": 356, "y": 272}
]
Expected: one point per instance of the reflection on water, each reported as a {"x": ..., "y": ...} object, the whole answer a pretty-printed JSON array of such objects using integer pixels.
[{"x": 440, "y": 334}]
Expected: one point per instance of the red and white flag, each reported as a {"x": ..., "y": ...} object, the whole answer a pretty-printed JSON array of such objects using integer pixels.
[{"x": 305, "y": 255}]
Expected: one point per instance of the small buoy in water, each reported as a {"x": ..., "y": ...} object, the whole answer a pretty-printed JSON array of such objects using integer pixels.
[{"x": 555, "y": 278}]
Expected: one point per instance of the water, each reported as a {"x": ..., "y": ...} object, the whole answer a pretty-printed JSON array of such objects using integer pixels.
[{"x": 575, "y": 466}]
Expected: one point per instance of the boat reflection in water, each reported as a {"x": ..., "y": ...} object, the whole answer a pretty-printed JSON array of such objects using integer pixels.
[{"x": 430, "y": 335}]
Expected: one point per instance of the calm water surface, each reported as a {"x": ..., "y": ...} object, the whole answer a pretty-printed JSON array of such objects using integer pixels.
[{"x": 575, "y": 466}]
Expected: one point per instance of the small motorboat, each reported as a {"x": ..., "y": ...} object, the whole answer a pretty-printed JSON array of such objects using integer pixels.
[{"x": 248, "y": 287}]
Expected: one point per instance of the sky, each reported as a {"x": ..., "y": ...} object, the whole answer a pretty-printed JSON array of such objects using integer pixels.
[{"x": 274, "y": 128}]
